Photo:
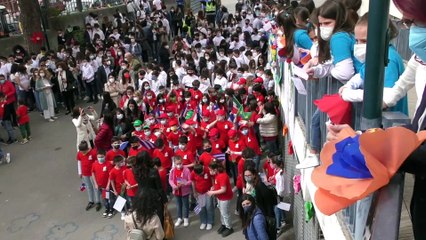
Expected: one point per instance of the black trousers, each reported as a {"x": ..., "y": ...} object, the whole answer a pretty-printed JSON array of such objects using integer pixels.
[
  {"x": 92, "y": 92},
  {"x": 418, "y": 208},
  {"x": 68, "y": 97}
]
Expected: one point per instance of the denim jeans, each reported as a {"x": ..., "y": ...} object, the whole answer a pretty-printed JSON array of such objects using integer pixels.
[
  {"x": 207, "y": 212},
  {"x": 315, "y": 140},
  {"x": 225, "y": 213},
  {"x": 90, "y": 189},
  {"x": 7, "y": 124},
  {"x": 182, "y": 206},
  {"x": 279, "y": 216},
  {"x": 91, "y": 89}
]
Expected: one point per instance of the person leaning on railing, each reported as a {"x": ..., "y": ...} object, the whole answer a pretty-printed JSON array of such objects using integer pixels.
[
  {"x": 412, "y": 76},
  {"x": 335, "y": 57}
]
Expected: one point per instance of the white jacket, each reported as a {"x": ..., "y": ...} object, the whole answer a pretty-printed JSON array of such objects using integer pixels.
[{"x": 84, "y": 128}]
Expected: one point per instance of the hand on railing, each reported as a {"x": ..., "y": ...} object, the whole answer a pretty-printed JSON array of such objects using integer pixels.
[{"x": 334, "y": 130}]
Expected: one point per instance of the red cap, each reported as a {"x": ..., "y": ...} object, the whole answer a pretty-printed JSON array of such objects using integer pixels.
[
  {"x": 190, "y": 122},
  {"x": 127, "y": 75},
  {"x": 213, "y": 132},
  {"x": 156, "y": 126},
  {"x": 163, "y": 116},
  {"x": 221, "y": 112},
  {"x": 206, "y": 113},
  {"x": 242, "y": 81},
  {"x": 170, "y": 108},
  {"x": 258, "y": 80},
  {"x": 173, "y": 122},
  {"x": 232, "y": 133}
]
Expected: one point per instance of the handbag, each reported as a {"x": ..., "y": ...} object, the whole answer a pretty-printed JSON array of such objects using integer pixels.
[
  {"x": 169, "y": 230},
  {"x": 136, "y": 233}
]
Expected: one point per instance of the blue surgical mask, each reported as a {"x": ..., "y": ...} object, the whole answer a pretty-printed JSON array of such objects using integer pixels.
[
  {"x": 246, "y": 208},
  {"x": 101, "y": 159},
  {"x": 417, "y": 41}
]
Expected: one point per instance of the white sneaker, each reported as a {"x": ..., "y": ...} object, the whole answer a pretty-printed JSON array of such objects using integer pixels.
[
  {"x": 209, "y": 227},
  {"x": 185, "y": 222},
  {"x": 236, "y": 212},
  {"x": 178, "y": 222},
  {"x": 202, "y": 226},
  {"x": 310, "y": 161},
  {"x": 86, "y": 98}
]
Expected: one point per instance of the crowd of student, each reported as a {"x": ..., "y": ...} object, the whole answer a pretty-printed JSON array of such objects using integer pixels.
[{"x": 196, "y": 122}]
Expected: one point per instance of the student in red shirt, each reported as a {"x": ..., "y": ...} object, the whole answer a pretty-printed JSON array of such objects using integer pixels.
[
  {"x": 130, "y": 181},
  {"x": 188, "y": 156},
  {"x": 23, "y": 121},
  {"x": 115, "y": 181},
  {"x": 196, "y": 94},
  {"x": 236, "y": 146},
  {"x": 174, "y": 134},
  {"x": 162, "y": 172},
  {"x": 249, "y": 137},
  {"x": 138, "y": 132},
  {"x": 223, "y": 125},
  {"x": 206, "y": 157},
  {"x": 85, "y": 159},
  {"x": 135, "y": 146},
  {"x": 223, "y": 192},
  {"x": 218, "y": 146},
  {"x": 201, "y": 184},
  {"x": 116, "y": 142},
  {"x": 164, "y": 153},
  {"x": 100, "y": 175},
  {"x": 269, "y": 170}
]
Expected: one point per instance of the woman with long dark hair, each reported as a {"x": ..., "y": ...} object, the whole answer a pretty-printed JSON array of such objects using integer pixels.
[
  {"x": 67, "y": 85},
  {"x": 105, "y": 134},
  {"x": 144, "y": 216},
  {"x": 148, "y": 178},
  {"x": 122, "y": 126},
  {"x": 252, "y": 219}
]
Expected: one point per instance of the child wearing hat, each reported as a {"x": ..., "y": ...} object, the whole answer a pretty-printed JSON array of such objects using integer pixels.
[
  {"x": 138, "y": 132},
  {"x": 218, "y": 145},
  {"x": 236, "y": 145},
  {"x": 174, "y": 134}
]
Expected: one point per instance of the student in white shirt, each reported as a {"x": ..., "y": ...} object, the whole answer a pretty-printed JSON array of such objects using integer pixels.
[
  {"x": 88, "y": 76},
  {"x": 188, "y": 79}
]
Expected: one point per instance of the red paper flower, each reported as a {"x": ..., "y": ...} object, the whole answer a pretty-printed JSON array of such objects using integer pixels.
[
  {"x": 282, "y": 52},
  {"x": 37, "y": 38}
]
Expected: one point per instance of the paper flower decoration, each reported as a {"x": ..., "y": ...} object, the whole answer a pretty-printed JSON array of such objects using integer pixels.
[
  {"x": 348, "y": 174},
  {"x": 37, "y": 38}
]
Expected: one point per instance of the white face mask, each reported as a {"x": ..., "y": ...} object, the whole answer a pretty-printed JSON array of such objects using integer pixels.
[
  {"x": 181, "y": 146},
  {"x": 119, "y": 116},
  {"x": 163, "y": 122},
  {"x": 138, "y": 128},
  {"x": 326, "y": 32},
  {"x": 359, "y": 51},
  {"x": 157, "y": 134},
  {"x": 111, "y": 80}
]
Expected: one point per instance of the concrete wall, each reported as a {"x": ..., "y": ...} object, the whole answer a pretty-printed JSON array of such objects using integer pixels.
[{"x": 55, "y": 23}]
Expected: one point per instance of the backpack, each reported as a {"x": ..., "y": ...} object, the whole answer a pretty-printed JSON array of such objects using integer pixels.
[
  {"x": 136, "y": 233},
  {"x": 271, "y": 228}
]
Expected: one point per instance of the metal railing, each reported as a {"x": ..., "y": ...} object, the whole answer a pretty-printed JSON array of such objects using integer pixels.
[{"x": 356, "y": 218}]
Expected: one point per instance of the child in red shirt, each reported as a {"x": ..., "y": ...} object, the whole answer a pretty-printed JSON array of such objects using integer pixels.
[
  {"x": 206, "y": 157},
  {"x": 116, "y": 142},
  {"x": 85, "y": 159},
  {"x": 201, "y": 184},
  {"x": 100, "y": 175},
  {"x": 162, "y": 172},
  {"x": 164, "y": 153},
  {"x": 188, "y": 156},
  {"x": 222, "y": 190},
  {"x": 115, "y": 182},
  {"x": 23, "y": 121},
  {"x": 130, "y": 181}
]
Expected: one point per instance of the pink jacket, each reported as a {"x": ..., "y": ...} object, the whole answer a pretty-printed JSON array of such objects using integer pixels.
[{"x": 185, "y": 189}]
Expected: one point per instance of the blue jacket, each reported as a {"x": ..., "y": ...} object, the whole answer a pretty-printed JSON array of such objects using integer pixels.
[{"x": 257, "y": 228}]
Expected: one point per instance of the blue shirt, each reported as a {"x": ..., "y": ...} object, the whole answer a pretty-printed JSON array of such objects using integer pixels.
[
  {"x": 393, "y": 70},
  {"x": 342, "y": 47},
  {"x": 302, "y": 39}
]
